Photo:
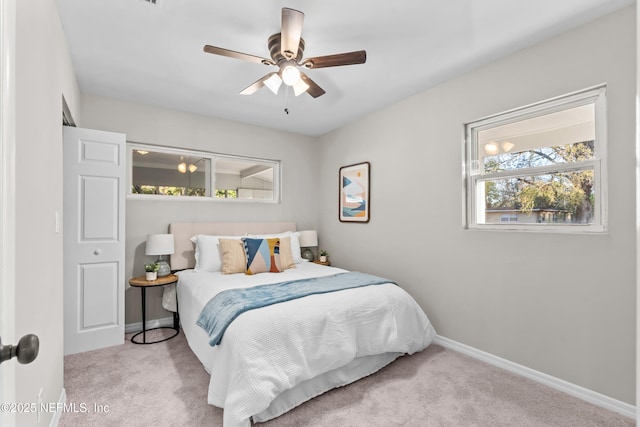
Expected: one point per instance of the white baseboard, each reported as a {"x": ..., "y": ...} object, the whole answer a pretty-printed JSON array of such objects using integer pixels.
[
  {"x": 556, "y": 383},
  {"x": 58, "y": 414},
  {"x": 156, "y": 323}
]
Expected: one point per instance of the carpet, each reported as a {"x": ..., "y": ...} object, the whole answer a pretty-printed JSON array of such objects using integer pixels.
[{"x": 164, "y": 384}]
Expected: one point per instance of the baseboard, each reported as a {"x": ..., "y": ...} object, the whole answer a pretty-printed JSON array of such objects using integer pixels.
[
  {"x": 155, "y": 323},
  {"x": 556, "y": 383},
  {"x": 58, "y": 414}
]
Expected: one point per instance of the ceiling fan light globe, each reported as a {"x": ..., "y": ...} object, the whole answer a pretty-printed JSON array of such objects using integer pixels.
[
  {"x": 290, "y": 75},
  {"x": 300, "y": 87},
  {"x": 273, "y": 83}
]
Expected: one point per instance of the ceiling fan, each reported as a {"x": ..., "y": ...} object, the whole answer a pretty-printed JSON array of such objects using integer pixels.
[{"x": 286, "y": 49}]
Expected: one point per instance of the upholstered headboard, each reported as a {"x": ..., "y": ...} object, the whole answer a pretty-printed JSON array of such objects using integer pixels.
[{"x": 184, "y": 231}]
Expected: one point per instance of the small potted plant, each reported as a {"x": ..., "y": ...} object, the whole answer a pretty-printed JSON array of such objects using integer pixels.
[
  {"x": 152, "y": 271},
  {"x": 323, "y": 255}
]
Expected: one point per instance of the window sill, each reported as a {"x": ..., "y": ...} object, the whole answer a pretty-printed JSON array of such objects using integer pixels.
[
  {"x": 161, "y": 198},
  {"x": 541, "y": 228}
]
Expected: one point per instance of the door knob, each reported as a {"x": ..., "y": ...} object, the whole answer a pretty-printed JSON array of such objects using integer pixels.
[
  {"x": 26, "y": 351},
  {"x": 97, "y": 252}
]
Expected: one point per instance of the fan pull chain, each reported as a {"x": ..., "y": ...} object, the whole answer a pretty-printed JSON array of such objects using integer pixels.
[{"x": 286, "y": 101}]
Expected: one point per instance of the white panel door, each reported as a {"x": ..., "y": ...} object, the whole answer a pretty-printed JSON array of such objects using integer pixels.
[{"x": 94, "y": 189}]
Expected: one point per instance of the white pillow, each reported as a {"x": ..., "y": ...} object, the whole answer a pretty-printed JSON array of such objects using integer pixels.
[
  {"x": 295, "y": 247},
  {"x": 295, "y": 242},
  {"x": 208, "y": 254}
]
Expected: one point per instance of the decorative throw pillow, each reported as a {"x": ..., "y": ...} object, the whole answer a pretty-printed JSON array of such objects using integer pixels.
[
  {"x": 234, "y": 259},
  {"x": 286, "y": 256},
  {"x": 263, "y": 255},
  {"x": 295, "y": 242}
]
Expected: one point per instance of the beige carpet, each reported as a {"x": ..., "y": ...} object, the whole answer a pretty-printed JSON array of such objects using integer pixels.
[{"x": 164, "y": 385}]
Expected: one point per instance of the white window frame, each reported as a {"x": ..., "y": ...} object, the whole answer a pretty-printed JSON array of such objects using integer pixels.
[
  {"x": 473, "y": 175},
  {"x": 211, "y": 156}
]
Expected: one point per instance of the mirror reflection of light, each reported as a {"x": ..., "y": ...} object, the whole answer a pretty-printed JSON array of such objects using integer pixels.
[
  {"x": 491, "y": 148},
  {"x": 507, "y": 146}
]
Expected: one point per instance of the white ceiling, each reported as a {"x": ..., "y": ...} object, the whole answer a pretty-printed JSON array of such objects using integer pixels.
[{"x": 132, "y": 50}]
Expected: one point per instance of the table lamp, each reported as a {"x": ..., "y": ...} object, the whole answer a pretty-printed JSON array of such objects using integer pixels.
[{"x": 161, "y": 245}]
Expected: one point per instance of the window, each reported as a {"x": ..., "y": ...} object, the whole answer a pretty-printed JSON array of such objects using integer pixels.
[
  {"x": 226, "y": 194},
  {"x": 511, "y": 217},
  {"x": 168, "y": 172},
  {"x": 539, "y": 167}
]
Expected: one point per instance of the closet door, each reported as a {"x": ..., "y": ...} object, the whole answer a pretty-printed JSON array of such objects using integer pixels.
[{"x": 94, "y": 189}]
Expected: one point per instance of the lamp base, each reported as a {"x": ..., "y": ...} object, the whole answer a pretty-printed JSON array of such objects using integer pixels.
[
  {"x": 164, "y": 269},
  {"x": 308, "y": 254}
]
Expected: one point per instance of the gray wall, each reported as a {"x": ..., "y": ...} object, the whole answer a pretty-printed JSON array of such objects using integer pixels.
[
  {"x": 150, "y": 125},
  {"x": 560, "y": 304}
]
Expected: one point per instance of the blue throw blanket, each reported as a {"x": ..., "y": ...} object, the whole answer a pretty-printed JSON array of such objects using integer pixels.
[{"x": 223, "y": 308}]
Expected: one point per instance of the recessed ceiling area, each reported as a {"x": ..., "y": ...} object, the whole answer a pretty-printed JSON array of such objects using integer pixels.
[{"x": 152, "y": 54}]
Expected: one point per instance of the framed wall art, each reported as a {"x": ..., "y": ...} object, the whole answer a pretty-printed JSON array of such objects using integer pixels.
[{"x": 354, "y": 194}]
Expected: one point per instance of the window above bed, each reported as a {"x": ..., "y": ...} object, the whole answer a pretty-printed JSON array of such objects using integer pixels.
[
  {"x": 171, "y": 173},
  {"x": 540, "y": 167}
]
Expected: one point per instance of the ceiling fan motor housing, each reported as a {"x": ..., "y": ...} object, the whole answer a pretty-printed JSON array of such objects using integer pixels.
[{"x": 274, "y": 44}]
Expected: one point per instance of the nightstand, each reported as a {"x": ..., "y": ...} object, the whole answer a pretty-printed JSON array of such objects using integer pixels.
[
  {"x": 142, "y": 283},
  {"x": 327, "y": 263}
]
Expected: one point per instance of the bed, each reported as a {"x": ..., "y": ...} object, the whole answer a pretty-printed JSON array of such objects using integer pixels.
[{"x": 274, "y": 358}]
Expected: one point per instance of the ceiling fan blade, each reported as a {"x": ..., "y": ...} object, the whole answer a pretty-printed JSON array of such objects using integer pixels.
[
  {"x": 314, "y": 90},
  {"x": 237, "y": 55},
  {"x": 257, "y": 85},
  {"x": 291, "y": 32},
  {"x": 350, "y": 58}
]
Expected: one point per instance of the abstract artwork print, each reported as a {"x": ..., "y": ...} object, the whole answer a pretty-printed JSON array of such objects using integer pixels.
[{"x": 354, "y": 193}]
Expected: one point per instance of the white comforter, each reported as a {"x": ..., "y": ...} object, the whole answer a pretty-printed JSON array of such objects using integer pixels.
[{"x": 274, "y": 358}]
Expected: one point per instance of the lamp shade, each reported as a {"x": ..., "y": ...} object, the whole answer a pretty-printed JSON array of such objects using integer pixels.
[
  {"x": 308, "y": 238},
  {"x": 273, "y": 83},
  {"x": 159, "y": 244},
  {"x": 300, "y": 87}
]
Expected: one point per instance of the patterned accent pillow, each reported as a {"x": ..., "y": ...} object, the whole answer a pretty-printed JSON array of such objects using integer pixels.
[
  {"x": 233, "y": 256},
  {"x": 263, "y": 255},
  {"x": 286, "y": 256}
]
